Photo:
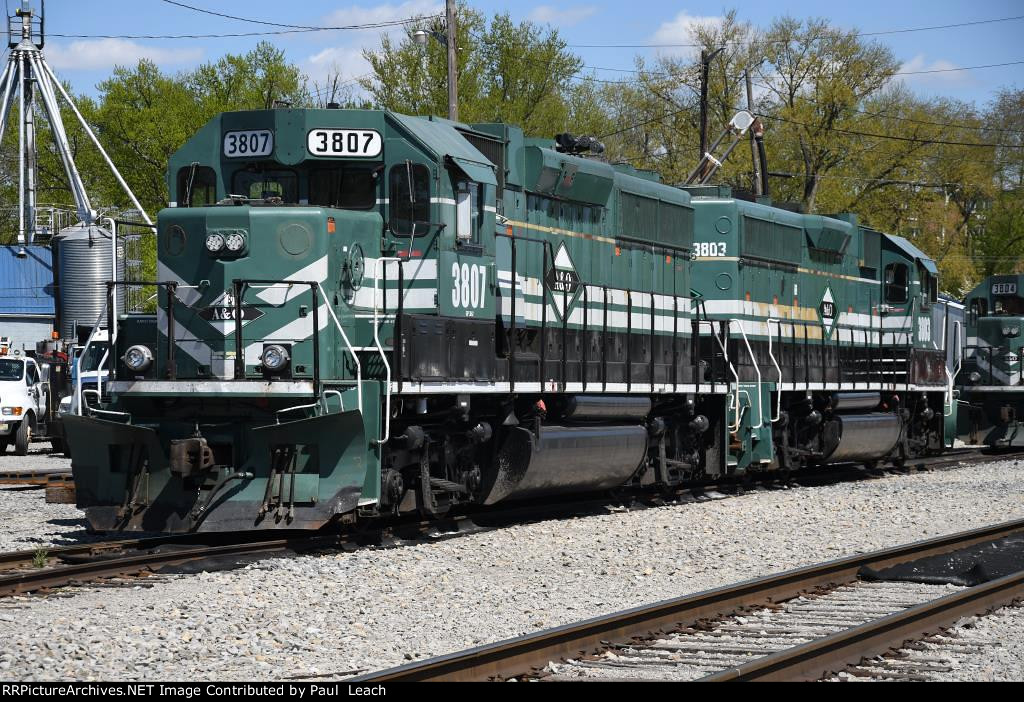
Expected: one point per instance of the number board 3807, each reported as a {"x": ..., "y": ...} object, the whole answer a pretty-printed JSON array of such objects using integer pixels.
[
  {"x": 248, "y": 143},
  {"x": 361, "y": 143}
]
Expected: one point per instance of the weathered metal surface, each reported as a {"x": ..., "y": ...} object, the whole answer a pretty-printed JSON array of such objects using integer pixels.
[
  {"x": 564, "y": 459},
  {"x": 866, "y": 437}
]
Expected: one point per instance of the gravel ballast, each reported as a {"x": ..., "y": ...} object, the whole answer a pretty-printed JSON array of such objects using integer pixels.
[
  {"x": 28, "y": 521},
  {"x": 371, "y": 609}
]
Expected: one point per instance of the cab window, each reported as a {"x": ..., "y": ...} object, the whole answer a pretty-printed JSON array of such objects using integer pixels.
[
  {"x": 259, "y": 183},
  {"x": 896, "y": 275},
  {"x": 409, "y": 197},
  {"x": 197, "y": 186},
  {"x": 469, "y": 202},
  {"x": 31, "y": 375},
  {"x": 348, "y": 187},
  {"x": 929, "y": 290},
  {"x": 977, "y": 308}
]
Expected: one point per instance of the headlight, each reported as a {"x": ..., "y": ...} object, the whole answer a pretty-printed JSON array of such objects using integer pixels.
[
  {"x": 138, "y": 358},
  {"x": 235, "y": 242},
  {"x": 12, "y": 411},
  {"x": 274, "y": 358},
  {"x": 975, "y": 376},
  {"x": 214, "y": 243},
  {"x": 1011, "y": 331}
]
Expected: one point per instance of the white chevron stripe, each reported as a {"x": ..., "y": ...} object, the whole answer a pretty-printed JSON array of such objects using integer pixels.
[{"x": 280, "y": 293}]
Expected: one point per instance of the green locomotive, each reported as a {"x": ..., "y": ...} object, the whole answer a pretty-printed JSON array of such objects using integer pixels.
[
  {"x": 990, "y": 381},
  {"x": 363, "y": 314}
]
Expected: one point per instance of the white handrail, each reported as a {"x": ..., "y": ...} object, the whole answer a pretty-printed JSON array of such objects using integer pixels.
[
  {"x": 735, "y": 375},
  {"x": 384, "y": 260},
  {"x": 951, "y": 376},
  {"x": 348, "y": 345},
  {"x": 757, "y": 369},
  {"x": 778, "y": 390},
  {"x": 323, "y": 399},
  {"x": 78, "y": 362}
]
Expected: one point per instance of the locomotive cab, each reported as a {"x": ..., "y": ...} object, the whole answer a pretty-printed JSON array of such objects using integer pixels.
[{"x": 990, "y": 381}]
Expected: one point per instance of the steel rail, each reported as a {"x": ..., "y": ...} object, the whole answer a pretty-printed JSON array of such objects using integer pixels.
[
  {"x": 114, "y": 558},
  {"x": 519, "y": 656},
  {"x": 45, "y": 578},
  {"x": 815, "y": 659}
]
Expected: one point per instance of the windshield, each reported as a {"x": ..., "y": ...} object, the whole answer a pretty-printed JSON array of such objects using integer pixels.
[
  {"x": 348, "y": 187},
  {"x": 92, "y": 359},
  {"x": 11, "y": 369},
  {"x": 257, "y": 184}
]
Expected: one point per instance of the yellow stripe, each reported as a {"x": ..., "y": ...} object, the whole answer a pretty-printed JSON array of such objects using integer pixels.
[
  {"x": 724, "y": 259},
  {"x": 563, "y": 232}
]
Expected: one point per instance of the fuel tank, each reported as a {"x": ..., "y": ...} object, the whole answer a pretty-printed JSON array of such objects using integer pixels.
[
  {"x": 564, "y": 459},
  {"x": 606, "y": 407},
  {"x": 864, "y": 437},
  {"x": 855, "y": 401}
]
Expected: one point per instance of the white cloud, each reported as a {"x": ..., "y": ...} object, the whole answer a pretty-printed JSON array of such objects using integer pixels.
[
  {"x": 344, "y": 56},
  {"x": 376, "y": 14},
  {"x": 679, "y": 30},
  {"x": 562, "y": 16},
  {"x": 93, "y": 54},
  {"x": 920, "y": 63}
]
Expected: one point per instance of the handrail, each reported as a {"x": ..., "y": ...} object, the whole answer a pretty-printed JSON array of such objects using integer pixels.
[
  {"x": 278, "y": 413},
  {"x": 384, "y": 260},
  {"x": 757, "y": 369},
  {"x": 348, "y": 345},
  {"x": 958, "y": 355},
  {"x": 82, "y": 355},
  {"x": 735, "y": 375},
  {"x": 778, "y": 390},
  {"x": 323, "y": 400}
]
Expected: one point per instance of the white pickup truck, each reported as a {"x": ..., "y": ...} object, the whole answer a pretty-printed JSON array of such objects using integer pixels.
[{"x": 23, "y": 402}]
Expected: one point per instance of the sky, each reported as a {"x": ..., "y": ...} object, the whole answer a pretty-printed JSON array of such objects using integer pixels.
[{"x": 87, "y": 61}]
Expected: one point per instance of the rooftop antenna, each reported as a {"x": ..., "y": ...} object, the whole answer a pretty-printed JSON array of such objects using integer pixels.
[{"x": 26, "y": 78}]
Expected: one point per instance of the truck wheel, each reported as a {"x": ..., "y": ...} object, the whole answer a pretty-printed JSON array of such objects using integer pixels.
[
  {"x": 3, "y": 446},
  {"x": 23, "y": 437}
]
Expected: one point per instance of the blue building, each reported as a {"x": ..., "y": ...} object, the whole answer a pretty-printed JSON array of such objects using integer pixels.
[{"x": 27, "y": 307}]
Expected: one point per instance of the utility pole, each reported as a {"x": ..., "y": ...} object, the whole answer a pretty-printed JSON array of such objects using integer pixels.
[
  {"x": 453, "y": 66},
  {"x": 705, "y": 62},
  {"x": 753, "y": 144}
]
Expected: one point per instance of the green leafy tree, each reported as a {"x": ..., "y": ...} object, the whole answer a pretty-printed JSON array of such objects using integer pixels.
[
  {"x": 817, "y": 75},
  {"x": 516, "y": 73}
]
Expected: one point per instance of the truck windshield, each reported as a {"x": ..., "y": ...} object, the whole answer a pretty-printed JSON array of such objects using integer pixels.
[
  {"x": 91, "y": 360},
  {"x": 11, "y": 369}
]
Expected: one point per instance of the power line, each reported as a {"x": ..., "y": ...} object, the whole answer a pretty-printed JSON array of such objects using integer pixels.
[
  {"x": 748, "y": 43},
  {"x": 232, "y": 35},
  {"x": 952, "y": 125},
  {"x": 894, "y": 137},
  {"x": 370, "y": 25}
]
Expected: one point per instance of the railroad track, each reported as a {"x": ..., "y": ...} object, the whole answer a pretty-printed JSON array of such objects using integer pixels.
[
  {"x": 798, "y": 625},
  {"x": 44, "y": 570}
]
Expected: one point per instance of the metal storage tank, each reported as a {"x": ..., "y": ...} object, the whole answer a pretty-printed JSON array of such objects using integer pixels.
[{"x": 81, "y": 260}]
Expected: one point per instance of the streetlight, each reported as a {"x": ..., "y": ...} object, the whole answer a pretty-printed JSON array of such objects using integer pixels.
[{"x": 421, "y": 37}]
